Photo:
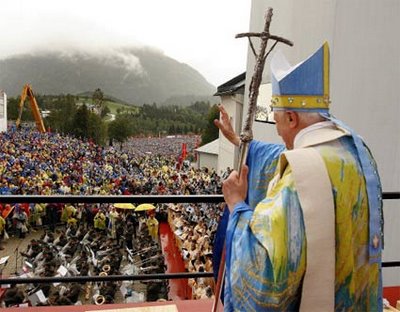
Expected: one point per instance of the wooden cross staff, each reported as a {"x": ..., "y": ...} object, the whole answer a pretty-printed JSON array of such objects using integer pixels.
[{"x": 247, "y": 133}]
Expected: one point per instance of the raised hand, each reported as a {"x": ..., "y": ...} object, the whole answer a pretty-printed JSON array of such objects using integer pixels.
[{"x": 224, "y": 124}]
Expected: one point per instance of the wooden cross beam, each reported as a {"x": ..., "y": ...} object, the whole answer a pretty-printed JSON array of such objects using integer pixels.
[{"x": 261, "y": 56}]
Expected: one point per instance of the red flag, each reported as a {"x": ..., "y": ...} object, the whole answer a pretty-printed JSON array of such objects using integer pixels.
[{"x": 184, "y": 151}]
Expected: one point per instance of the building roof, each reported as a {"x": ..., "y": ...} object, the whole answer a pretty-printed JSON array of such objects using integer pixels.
[
  {"x": 210, "y": 148},
  {"x": 233, "y": 86}
]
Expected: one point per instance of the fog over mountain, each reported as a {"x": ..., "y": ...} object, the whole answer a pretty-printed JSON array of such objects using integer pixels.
[{"x": 134, "y": 75}]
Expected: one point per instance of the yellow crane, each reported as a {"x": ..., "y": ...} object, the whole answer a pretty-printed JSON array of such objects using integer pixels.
[{"x": 27, "y": 92}]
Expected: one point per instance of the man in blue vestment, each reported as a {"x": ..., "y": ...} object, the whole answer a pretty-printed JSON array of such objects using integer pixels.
[{"x": 304, "y": 231}]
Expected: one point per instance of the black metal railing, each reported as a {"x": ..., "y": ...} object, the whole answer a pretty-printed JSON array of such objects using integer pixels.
[
  {"x": 391, "y": 195},
  {"x": 128, "y": 199},
  {"x": 109, "y": 278},
  {"x": 386, "y": 196},
  {"x": 102, "y": 199}
]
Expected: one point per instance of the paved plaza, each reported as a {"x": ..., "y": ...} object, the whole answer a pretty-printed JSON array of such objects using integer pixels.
[{"x": 12, "y": 248}]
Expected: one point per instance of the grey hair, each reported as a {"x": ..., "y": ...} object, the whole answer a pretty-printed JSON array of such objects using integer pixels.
[
  {"x": 307, "y": 118},
  {"x": 310, "y": 118}
]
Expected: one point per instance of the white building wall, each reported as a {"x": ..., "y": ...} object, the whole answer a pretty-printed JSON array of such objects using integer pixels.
[
  {"x": 3, "y": 111},
  {"x": 365, "y": 76},
  {"x": 209, "y": 161}
]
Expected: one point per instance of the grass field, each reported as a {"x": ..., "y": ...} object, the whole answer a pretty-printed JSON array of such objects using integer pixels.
[{"x": 114, "y": 107}]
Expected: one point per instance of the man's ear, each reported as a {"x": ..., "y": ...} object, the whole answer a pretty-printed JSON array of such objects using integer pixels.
[{"x": 293, "y": 119}]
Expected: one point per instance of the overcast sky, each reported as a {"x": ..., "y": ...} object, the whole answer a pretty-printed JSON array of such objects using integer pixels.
[{"x": 197, "y": 32}]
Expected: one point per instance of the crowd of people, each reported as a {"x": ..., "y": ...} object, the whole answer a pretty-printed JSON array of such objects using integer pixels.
[
  {"x": 194, "y": 226},
  {"x": 49, "y": 163},
  {"x": 167, "y": 145}
]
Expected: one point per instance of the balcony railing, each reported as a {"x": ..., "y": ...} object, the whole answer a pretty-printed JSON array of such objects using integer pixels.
[{"x": 129, "y": 199}]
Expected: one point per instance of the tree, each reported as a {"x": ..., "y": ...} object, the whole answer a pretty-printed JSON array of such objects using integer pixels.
[
  {"x": 105, "y": 111},
  {"x": 171, "y": 129},
  {"x": 200, "y": 107},
  {"x": 96, "y": 129},
  {"x": 62, "y": 113},
  {"x": 98, "y": 98},
  {"x": 210, "y": 132},
  {"x": 12, "y": 108},
  {"x": 80, "y": 122},
  {"x": 119, "y": 129}
]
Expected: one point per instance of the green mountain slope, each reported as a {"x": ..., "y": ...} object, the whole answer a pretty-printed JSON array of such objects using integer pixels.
[{"x": 133, "y": 75}]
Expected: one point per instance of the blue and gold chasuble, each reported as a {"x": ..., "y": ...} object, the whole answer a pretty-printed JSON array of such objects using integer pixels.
[{"x": 266, "y": 245}]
